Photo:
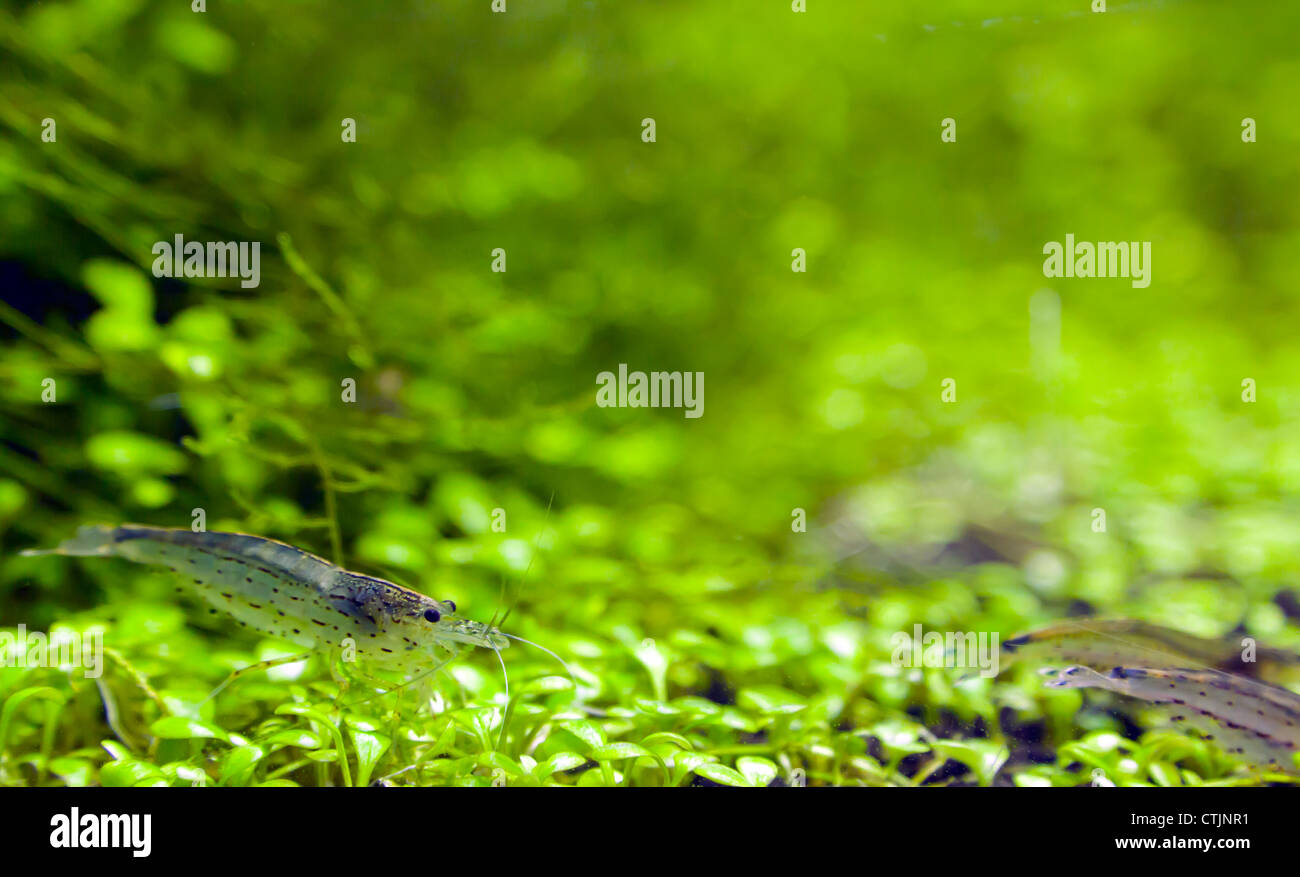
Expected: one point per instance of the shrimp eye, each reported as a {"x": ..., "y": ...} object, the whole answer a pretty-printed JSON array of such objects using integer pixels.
[
  {"x": 431, "y": 615},
  {"x": 451, "y": 607}
]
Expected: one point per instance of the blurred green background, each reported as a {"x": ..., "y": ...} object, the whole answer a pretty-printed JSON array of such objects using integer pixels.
[{"x": 666, "y": 568}]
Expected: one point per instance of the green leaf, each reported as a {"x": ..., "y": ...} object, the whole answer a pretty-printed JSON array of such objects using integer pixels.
[
  {"x": 179, "y": 773},
  {"x": 547, "y": 685},
  {"x": 560, "y": 761},
  {"x": 1029, "y": 779},
  {"x": 1164, "y": 774},
  {"x": 75, "y": 772},
  {"x": 757, "y": 771},
  {"x": 466, "y": 501},
  {"x": 370, "y": 746},
  {"x": 115, "y": 749},
  {"x": 481, "y": 721},
  {"x": 119, "y": 286},
  {"x": 597, "y": 778},
  {"x": 500, "y": 761},
  {"x": 668, "y": 737},
  {"x": 297, "y": 737},
  {"x": 183, "y": 728},
  {"x": 324, "y": 721},
  {"x": 113, "y": 330},
  {"x": 655, "y": 661},
  {"x": 771, "y": 700},
  {"x": 446, "y": 740},
  {"x": 131, "y": 772},
  {"x": 720, "y": 773},
  {"x": 238, "y": 764},
  {"x": 616, "y": 750},
  {"x": 983, "y": 757},
  {"x": 586, "y": 732},
  {"x": 133, "y": 454},
  {"x": 898, "y": 739},
  {"x": 196, "y": 44},
  {"x": 52, "y": 713}
]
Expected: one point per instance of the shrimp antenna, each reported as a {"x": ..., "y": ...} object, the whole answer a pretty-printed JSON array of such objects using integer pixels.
[
  {"x": 495, "y": 625},
  {"x": 526, "y": 642},
  {"x": 527, "y": 569},
  {"x": 505, "y": 677},
  {"x": 505, "y": 713}
]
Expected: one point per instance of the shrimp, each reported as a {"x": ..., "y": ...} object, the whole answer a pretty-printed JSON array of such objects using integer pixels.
[
  {"x": 283, "y": 591},
  {"x": 1256, "y": 722},
  {"x": 1198, "y": 682},
  {"x": 1104, "y": 643}
]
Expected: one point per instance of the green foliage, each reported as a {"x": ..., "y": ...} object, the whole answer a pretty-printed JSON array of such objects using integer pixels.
[{"x": 711, "y": 644}]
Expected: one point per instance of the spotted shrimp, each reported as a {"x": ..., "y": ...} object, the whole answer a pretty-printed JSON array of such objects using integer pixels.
[
  {"x": 1200, "y": 683},
  {"x": 285, "y": 592}
]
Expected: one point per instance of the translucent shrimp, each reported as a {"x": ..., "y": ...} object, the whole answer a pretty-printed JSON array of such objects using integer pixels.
[
  {"x": 1102, "y": 643},
  {"x": 1198, "y": 683},
  {"x": 288, "y": 593},
  {"x": 1256, "y": 722}
]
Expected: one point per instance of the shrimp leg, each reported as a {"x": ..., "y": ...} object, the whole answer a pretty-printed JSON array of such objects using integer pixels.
[{"x": 260, "y": 665}]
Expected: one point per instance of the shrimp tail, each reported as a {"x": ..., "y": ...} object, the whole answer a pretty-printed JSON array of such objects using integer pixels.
[{"x": 91, "y": 540}]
